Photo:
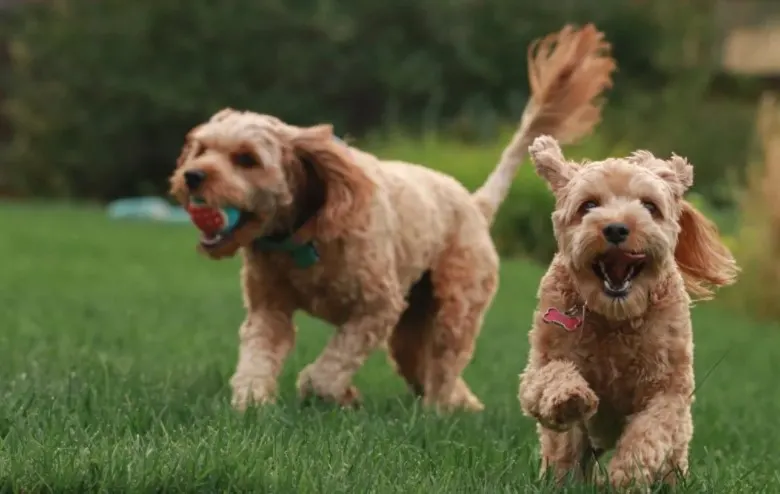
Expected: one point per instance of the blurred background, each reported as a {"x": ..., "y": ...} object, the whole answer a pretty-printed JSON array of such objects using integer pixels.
[{"x": 97, "y": 95}]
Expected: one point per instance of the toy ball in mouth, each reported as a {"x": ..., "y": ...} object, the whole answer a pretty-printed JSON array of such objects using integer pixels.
[{"x": 213, "y": 221}]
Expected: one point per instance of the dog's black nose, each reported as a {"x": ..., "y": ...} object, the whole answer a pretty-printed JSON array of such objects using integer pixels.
[
  {"x": 193, "y": 178},
  {"x": 616, "y": 233}
]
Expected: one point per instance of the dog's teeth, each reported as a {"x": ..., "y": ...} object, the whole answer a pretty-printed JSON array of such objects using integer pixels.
[
  {"x": 212, "y": 240},
  {"x": 622, "y": 288}
]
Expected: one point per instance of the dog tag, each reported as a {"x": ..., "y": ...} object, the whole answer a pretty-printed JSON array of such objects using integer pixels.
[{"x": 565, "y": 320}]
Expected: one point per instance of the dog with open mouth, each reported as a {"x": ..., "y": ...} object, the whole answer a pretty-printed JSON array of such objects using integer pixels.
[
  {"x": 392, "y": 254},
  {"x": 611, "y": 358}
]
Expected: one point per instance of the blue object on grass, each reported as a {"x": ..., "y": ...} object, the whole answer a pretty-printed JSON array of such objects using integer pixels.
[{"x": 151, "y": 208}]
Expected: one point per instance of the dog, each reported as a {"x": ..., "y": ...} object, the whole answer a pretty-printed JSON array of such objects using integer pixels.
[
  {"x": 611, "y": 347},
  {"x": 393, "y": 254}
]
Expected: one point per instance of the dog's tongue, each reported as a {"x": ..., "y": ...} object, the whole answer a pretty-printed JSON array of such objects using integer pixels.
[{"x": 618, "y": 264}]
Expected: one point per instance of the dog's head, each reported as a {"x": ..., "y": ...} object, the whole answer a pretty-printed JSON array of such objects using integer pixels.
[
  {"x": 622, "y": 225},
  {"x": 285, "y": 180}
]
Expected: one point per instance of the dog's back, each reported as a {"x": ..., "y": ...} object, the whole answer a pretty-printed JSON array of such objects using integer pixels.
[{"x": 421, "y": 211}]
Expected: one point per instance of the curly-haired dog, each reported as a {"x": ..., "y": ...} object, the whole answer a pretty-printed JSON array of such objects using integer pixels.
[
  {"x": 611, "y": 359},
  {"x": 392, "y": 254}
]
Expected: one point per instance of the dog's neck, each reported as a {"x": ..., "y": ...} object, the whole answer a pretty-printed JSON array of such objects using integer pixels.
[{"x": 308, "y": 197}]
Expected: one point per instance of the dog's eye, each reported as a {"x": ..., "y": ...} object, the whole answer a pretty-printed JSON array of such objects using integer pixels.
[
  {"x": 587, "y": 206},
  {"x": 651, "y": 207},
  {"x": 244, "y": 160}
]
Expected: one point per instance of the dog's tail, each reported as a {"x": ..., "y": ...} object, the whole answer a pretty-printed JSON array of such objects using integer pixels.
[{"x": 567, "y": 72}]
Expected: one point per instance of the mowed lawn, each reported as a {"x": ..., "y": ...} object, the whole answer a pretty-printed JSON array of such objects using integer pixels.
[{"x": 117, "y": 342}]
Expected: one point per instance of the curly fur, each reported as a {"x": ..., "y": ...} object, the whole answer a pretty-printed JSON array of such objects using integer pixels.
[
  {"x": 624, "y": 379},
  {"x": 383, "y": 229},
  {"x": 406, "y": 258}
]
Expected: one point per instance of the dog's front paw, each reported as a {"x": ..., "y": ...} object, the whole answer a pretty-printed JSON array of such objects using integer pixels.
[
  {"x": 313, "y": 384},
  {"x": 561, "y": 409},
  {"x": 251, "y": 390}
]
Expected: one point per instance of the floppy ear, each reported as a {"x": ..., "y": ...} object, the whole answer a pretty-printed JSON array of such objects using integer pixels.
[
  {"x": 550, "y": 164},
  {"x": 704, "y": 260},
  {"x": 348, "y": 190}
]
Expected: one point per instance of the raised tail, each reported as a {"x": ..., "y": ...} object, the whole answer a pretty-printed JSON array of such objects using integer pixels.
[{"x": 567, "y": 72}]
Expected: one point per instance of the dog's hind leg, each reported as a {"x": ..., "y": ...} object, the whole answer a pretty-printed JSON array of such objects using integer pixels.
[
  {"x": 406, "y": 345},
  {"x": 464, "y": 281}
]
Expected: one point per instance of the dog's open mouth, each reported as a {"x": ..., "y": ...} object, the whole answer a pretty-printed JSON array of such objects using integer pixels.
[
  {"x": 617, "y": 268},
  {"x": 217, "y": 225},
  {"x": 214, "y": 240}
]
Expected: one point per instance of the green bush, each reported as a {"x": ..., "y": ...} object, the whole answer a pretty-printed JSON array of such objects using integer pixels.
[{"x": 101, "y": 93}]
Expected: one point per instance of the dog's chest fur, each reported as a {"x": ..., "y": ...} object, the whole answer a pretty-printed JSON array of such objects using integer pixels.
[
  {"x": 323, "y": 295},
  {"x": 624, "y": 364},
  {"x": 329, "y": 290}
]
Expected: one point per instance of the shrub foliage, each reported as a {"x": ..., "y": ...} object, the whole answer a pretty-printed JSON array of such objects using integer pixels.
[{"x": 98, "y": 95}]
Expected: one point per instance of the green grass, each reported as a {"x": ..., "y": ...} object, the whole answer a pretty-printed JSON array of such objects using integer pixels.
[{"x": 117, "y": 343}]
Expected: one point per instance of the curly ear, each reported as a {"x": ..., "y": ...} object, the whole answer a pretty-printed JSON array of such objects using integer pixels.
[
  {"x": 678, "y": 173},
  {"x": 704, "y": 260},
  {"x": 682, "y": 170},
  {"x": 348, "y": 190},
  {"x": 550, "y": 163}
]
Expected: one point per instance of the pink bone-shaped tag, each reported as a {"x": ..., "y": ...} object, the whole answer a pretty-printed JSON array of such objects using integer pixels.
[{"x": 567, "y": 322}]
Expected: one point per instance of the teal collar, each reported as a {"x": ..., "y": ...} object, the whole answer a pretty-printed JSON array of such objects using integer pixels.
[{"x": 304, "y": 255}]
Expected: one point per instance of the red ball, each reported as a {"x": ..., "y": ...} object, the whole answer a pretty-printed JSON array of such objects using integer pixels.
[{"x": 210, "y": 221}]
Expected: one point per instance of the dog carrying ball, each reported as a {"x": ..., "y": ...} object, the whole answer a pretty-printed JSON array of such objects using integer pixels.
[{"x": 213, "y": 221}]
